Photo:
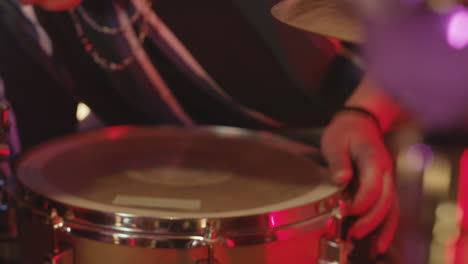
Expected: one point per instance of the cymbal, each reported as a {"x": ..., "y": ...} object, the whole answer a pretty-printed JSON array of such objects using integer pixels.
[{"x": 324, "y": 17}]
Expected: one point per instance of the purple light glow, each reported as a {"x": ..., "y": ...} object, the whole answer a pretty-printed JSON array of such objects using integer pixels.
[
  {"x": 419, "y": 157},
  {"x": 457, "y": 29},
  {"x": 415, "y": 63}
]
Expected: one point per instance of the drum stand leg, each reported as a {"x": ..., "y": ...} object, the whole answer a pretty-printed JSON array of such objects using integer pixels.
[{"x": 210, "y": 259}]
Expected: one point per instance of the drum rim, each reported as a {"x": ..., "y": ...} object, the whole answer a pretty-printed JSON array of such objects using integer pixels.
[{"x": 179, "y": 232}]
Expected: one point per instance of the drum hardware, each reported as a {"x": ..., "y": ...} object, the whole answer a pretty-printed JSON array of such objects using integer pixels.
[
  {"x": 211, "y": 240},
  {"x": 333, "y": 248},
  {"x": 63, "y": 252},
  {"x": 128, "y": 232}
]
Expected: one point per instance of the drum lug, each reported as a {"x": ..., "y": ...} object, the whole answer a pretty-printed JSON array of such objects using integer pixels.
[
  {"x": 333, "y": 248},
  {"x": 332, "y": 251},
  {"x": 211, "y": 239},
  {"x": 62, "y": 253}
]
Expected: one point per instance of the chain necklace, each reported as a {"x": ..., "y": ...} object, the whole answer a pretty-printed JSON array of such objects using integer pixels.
[
  {"x": 107, "y": 29},
  {"x": 106, "y": 64}
]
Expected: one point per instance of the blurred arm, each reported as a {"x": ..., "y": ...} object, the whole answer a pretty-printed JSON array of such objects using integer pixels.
[{"x": 369, "y": 96}]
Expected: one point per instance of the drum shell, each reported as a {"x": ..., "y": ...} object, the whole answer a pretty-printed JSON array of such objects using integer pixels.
[{"x": 36, "y": 240}]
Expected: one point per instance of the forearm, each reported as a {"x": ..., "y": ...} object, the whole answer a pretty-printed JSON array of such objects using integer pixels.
[{"x": 369, "y": 96}]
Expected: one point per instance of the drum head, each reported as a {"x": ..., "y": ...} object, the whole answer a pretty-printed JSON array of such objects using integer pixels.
[{"x": 174, "y": 172}]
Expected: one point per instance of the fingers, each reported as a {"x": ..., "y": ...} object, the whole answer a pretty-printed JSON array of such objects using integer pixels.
[
  {"x": 335, "y": 148},
  {"x": 388, "y": 230},
  {"x": 339, "y": 163},
  {"x": 376, "y": 198},
  {"x": 373, "y": 217},
  {"x": 355, "y": 141},
  {"x": 373, "y": 163}
]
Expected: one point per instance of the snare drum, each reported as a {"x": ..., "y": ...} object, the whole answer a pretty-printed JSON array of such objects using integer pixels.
[{"x": 144, "y": 195}]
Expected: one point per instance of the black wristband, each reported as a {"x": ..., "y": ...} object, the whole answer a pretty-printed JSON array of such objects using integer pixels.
[{"x": 364, "y": 112}]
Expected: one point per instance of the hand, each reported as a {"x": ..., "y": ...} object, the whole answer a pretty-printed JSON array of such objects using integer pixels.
[{"x": 354, "y": 138}]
